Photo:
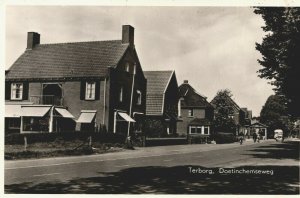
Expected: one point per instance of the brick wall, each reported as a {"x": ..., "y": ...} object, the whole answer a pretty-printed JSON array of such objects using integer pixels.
[{"x": 182, "y": 126}]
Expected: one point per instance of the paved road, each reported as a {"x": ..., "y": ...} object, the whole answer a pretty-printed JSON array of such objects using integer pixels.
[{"x": 153, "y": 169}]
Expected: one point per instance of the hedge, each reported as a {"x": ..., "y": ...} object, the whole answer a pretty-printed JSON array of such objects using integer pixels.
[
  {"x": 12, "y": 139},
  {"x": 222, "y": 138}
]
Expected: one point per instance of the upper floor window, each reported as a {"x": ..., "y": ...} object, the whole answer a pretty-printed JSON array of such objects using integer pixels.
[
  {"x": 139, "y": 97},
  {"x": 90, "y": 90},
  {"x": 127, "y": 67},
  {"x": 16, "y": 91},
  {"x": 191, "y": 112},
  {"x": 121, "y": 94}
]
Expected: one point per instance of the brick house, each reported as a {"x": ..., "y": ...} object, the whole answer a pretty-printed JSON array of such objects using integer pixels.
[
  {"x": 239, "y": 115},
  {"x": 84, "y": 85},
  {"x": 195, "y": 112},
  {"x": 161, "y": 103}
]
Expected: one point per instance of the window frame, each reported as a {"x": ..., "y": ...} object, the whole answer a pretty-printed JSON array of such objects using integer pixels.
[
  {"x": 139, "y": 97},
  {"x": 13, "y": 91},
  {"x": 127, "y": 67},
  {"x": 90, "y": 90},
  {"x": 121, "y": 94},
  {"x": 206, "y": 127},
  {"x": 190, "y": 112}
]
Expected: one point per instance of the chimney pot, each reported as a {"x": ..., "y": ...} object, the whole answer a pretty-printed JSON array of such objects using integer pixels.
[
  {"x": 33, "y": 39},
  {"x": 128, "y": 35}
]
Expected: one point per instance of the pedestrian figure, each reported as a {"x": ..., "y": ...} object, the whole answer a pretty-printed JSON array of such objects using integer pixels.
[
  {"x": 258, "y": 137},
  {"x": 241, "y": 138},
  {"x": 254, "y": 137}
]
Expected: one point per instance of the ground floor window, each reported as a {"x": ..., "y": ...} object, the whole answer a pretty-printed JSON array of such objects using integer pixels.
[
  {"x": 14, "y": 123},
  {"x": 36, "y": 124},
  {"x": 199, "y": 130}
]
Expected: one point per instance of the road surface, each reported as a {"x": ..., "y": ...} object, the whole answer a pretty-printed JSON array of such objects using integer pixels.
[{"x": 261, "y": 168}]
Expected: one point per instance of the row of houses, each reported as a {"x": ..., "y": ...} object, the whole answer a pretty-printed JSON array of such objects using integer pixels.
[{"x": 101, "y": 86}]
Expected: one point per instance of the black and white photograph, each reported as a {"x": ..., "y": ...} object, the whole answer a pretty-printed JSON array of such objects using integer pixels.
[{"x": 155, "y": 99}]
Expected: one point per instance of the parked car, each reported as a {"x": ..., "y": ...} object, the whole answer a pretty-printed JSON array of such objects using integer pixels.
[{"x": 278, "y": 135}]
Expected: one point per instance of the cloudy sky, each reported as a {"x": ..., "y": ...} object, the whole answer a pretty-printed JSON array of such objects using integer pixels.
[{"x": 211, "y": 47}]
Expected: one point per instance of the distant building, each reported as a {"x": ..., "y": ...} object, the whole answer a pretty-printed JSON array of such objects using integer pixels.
[
  {"x": 195, "y": 113},
  {"x": 161, "y": 103}
]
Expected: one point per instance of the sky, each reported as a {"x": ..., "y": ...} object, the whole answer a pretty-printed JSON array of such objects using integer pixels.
[{"x": 211, "y": 47}]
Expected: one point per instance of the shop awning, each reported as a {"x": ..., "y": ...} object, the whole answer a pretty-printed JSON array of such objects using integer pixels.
[
  {"x": 34, "y": 111},
  {"x": 126, "y": 117},
  {"x": 64, "y": 113},
  {"x": 87, "y": 116},
  {"x": 12, "y": 111}
]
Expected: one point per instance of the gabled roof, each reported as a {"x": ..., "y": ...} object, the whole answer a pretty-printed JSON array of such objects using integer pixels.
[
  {"x": 157, "y": 83},
  {"x": 67, "y": 60},
  {"x": 258, "y": 124},
  {"x": 191, "y": 98},
  {"x": 229, "y": 99}
]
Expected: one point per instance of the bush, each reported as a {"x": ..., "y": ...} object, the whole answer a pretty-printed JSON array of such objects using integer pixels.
[
  {"x": 13, "y": 139},
  {"x": 223, "y": 138}
]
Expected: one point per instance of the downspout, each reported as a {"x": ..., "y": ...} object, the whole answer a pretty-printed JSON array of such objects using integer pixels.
[
  {"x": 104, "y": 102},
  {"x": 51, "y": 120},
  {"x": 132, "y": 88}
]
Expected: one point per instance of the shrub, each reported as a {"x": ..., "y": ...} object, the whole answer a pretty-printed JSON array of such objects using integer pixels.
[{"x": 222, "y": 138}]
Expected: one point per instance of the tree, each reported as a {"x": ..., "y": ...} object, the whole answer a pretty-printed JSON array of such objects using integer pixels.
[
  {"x": 223, "y": 121},
  {"x": 280, "y": 50},
  {"x": 275, "y": 114}
]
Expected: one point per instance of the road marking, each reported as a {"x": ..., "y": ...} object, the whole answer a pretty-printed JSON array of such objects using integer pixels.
[{"x": 46, "y": 174}]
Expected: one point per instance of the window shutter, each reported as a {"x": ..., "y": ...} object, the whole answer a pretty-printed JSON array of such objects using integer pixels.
[
  {"x": 7, "y": 90},
  {"x": 25, "y": 91},
  {"x": 97, "y": 91},
  {"x": 82, "y": 90}
]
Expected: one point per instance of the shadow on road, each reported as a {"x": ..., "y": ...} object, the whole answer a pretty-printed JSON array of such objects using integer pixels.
[
  {"x": 174, "y": 180},
  {"x": 287, "y": 150}
]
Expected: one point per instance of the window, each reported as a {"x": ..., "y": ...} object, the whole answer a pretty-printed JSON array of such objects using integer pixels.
[
  {"x": 193, "y": 130},
  {"x": 191, "y": 113},
  {"x": 139, "y": 97},
  {"x": 206, "y": 130},
  {"x": 14, "y": 123},
  {"x": 127, "y": 67},
  {"x": 121, "y": 95},
  {"x": 16, "y": 91},
  {"x": 199, "y": 129},
  {"x": 90, "y": 90}
]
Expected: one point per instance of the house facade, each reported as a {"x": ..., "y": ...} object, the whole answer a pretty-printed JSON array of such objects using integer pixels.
[
  {"x": 195, "y": 113},
  {"x": 161, "y": 103},
  {"x": 87, "y": 86}
]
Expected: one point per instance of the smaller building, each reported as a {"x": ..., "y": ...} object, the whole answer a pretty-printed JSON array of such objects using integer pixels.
[
  {"x": 258, "y": 128},
  {"x": 195, "y": 113},
  {"x": 161, "y": 103}
]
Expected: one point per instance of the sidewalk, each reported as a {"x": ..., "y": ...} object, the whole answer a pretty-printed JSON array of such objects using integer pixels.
[{"x": 139, "y": 152}]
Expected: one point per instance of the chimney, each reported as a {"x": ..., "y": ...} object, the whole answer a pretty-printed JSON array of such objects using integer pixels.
[
  {"x": 186, "y": 82},
  {"x": 33, "y": 39},
  {"x": 128, "y": 35}
]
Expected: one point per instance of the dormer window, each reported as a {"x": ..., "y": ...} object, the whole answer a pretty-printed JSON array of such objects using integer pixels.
[
  {"x": 90, "y": 90},
  {"x": 127, "y": 67},
  {"x": 139, "y": 97},
  {"x": 16, "y": 91}
]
